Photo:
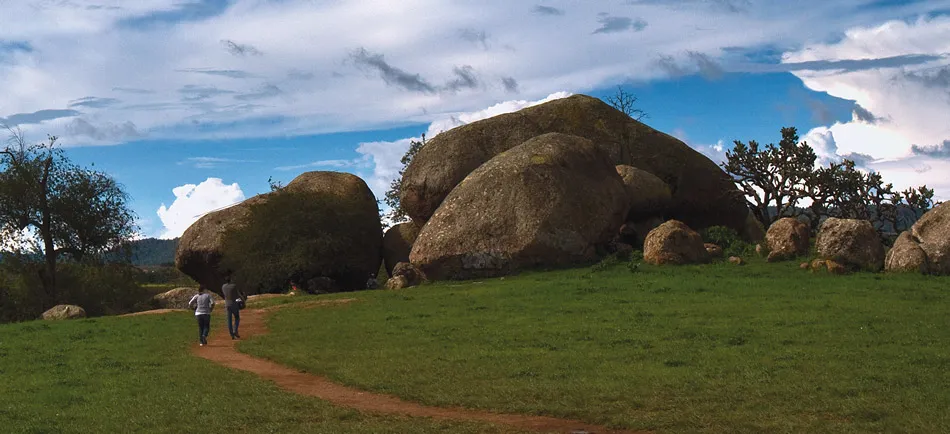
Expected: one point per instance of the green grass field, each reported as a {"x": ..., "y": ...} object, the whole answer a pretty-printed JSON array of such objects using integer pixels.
[
  {"x": 715, "y": 348},
  {"x": 112, "y": 375}
]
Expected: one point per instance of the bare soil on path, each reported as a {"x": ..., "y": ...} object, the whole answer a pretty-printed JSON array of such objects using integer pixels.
[{"x": 221, "y": 350}]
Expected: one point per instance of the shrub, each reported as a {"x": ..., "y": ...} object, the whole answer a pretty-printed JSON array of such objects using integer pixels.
[
  {"x": 732, "y": 244},
  {"x": 100, "y": 289}
]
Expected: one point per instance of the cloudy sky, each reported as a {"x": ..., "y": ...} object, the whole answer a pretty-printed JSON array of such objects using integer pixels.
[{"x": 194, "y": 104}]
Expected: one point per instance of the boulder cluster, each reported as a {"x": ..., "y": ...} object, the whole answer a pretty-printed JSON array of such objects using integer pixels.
[{"x": 562, "y": 183}]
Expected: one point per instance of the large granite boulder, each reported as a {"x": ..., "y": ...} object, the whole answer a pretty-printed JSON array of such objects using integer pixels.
[
  {"x": 649, "y": 196},
  {"x": 753, "y": 231},
  {"x": 787, "y": 238},
  {"x": 178, "y": 298},
  {"x": 926, "y": 246},
  {"x": 702, "y": 194},
  {"x": 852, "y": 243},
  {"x": 906, "y": 255},
  {"x": 674, "y": 243},
  {"x": 555, "y": 200},
  {"x": 397, "y": 243},
  {"x": 64, "y": 311},
  {"x": 200, "y": 249}
]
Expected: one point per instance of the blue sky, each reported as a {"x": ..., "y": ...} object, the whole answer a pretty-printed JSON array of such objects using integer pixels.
[{"x": 192, "y": 105}]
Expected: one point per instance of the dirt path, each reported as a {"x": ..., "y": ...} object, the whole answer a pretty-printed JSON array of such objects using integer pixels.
[{"x": 221, "y": 350}]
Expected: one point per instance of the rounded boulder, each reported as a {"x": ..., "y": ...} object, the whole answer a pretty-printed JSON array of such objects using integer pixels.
[
  {"x": 674, "y": 243},
  {"x": 201, "y": 248},
  {"x": 926, "y": 246},
  {"x": 530, "y": 206},
  {"x": 787, "y": 238},
  {"x": 851, "y": 243},
  {"x": 703, "y": 194},
  {"x": 648, "y": 195},
  {"x": 397, "y": 243}
]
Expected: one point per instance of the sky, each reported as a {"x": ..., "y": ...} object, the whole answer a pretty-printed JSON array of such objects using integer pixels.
[{"x": 193, "y": 105}]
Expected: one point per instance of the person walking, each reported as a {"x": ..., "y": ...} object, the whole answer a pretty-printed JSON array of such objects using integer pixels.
[
  {"x": 203, "y": 304},
  {"x": 231, "y": 294}
]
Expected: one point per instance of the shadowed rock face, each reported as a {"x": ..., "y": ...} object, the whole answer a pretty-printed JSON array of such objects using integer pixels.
[
  {"x": 702, "y": 194},
  {"x": 551, "y": 201},
  {"x": 649, "y": 196},
  {"x": 200, "y": 252},
  {"x": 926, "y": 246},
  {"x": 397, "y": 243},
  {"x": 851, "y": 243}
]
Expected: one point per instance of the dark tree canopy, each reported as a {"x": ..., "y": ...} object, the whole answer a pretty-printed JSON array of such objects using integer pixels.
[
  {"x": 396, "y": 213},
  {"x": 778, "y": 179},
  {"x": 59, "y": 209}
]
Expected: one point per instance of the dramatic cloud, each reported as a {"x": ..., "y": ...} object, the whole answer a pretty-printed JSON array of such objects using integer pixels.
[
  {"x": 863, "y": 115},
  {"x": 511, "y": 85},
  {"x": 938, "y": 151},
  {"x": 170, "y": 64},
  {"x": 464, "y": 79},
  {"x": 230, "y": 73},
  {"x": 612, "y": 24},
  {"x": 708, "y": 68},
  {"x": 899, "y": 123},
  {"x": 475, "y": 36},
  {"x": 37, "y": 117},
  {"x": 103, "y": 132},
  {"x": 390, "y": 74},
  {"x": 193, "y": 201},
  {"x": 93, "y": 102},
  {"x": 547, "y": 10},
  {"x": 240, "y": 49}
]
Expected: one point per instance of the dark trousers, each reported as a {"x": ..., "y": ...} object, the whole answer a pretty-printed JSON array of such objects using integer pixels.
[
  {"x": 204, "y": 327},
  {"x": 234, "y": 313}
]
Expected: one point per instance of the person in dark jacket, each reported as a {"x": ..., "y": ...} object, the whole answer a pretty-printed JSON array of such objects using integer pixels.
[{"x": 231, "y": 294}]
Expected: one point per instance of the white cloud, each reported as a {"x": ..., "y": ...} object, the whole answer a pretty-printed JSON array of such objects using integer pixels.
[
  {"x": 193, "y": 201},
  {"x": 184, "y": 80},
  {"x": 910, "y": 103}
]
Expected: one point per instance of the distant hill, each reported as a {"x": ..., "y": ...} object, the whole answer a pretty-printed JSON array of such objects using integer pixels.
[{"x": 153, "y": 251}]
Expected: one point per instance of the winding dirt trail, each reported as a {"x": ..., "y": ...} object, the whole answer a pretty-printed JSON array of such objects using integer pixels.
[{"x": 221, "y": 350}]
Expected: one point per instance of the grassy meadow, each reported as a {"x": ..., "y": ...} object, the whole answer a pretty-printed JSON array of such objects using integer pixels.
[
  {"x": 714, "y": 348},
  {"x": 137, "y": 374}
]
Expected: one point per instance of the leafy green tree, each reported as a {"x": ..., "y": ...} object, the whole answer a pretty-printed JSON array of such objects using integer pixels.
[
  {"x": 396, "y": 213},
  {"x": 53, "y": 209},
  {"x": 772, "y": 176}
]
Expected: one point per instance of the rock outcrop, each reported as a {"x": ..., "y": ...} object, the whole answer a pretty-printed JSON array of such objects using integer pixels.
[
  {"x": 648, "y": 195},
  {"x": 907, "y": 256},
  {"x": 397, "y": 243},
  {"x": 64, "y": 311},
  {"x": 702, "y": 194},
  {"x": 674, "y": 243},
  {"x": 931, "y": 235},
  {"x": 200, "y": 249},
  {"x": 405, "y": 275},
  {"x": 714, "y": 250},
  {"x": 178, "y": 298},
  {"x": 852, "y": 243},
  {"x": 787, "y": 238},
  {"x": 555, "y": 200}
]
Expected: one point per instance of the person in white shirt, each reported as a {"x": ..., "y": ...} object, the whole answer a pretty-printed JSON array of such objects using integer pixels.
[{"x": 203, "y": 304}]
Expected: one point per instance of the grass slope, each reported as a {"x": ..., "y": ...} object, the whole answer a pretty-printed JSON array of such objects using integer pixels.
[
  {"x": 715, "y": 348},
  {"x": 138, "y": 375}
]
